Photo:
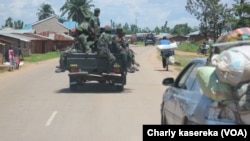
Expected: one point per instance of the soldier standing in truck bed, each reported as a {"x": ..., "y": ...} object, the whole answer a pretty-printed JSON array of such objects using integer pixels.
[
  {"x": 94, "y": 23},
  {"x": 84, "y": 33}
]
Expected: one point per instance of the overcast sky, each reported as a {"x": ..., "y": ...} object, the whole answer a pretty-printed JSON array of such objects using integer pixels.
[{"x": 144, "y": 13}]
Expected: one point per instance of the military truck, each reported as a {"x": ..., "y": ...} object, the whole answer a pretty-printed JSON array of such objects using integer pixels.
[{"x": 85, "y": 67}]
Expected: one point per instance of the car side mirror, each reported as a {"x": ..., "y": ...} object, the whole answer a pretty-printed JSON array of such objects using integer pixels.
[{"x": 168, "y": 81}]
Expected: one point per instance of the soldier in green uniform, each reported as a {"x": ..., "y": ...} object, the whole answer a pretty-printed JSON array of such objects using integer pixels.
[
  {"x": 81, "y": 43},
  {"x": 84, "y": 34},
  {"x": 118, "y": 47},
  {"x": 104, "y": 43},
  {"x": 125, "y": 47},
  {"x": 95, "y": 26}
]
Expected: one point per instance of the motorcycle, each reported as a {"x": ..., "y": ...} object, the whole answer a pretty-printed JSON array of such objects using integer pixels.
[
  {"x": 202, "y": 50},
  {"x": 166, "y": 53}
]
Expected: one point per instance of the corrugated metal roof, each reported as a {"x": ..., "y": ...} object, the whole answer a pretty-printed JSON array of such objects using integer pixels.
[
  {"x": 194, "y": 33},
  {"x": 161, "y": 35},
  {"x": 11, "y": 30},
  {"x": 22, "y": 37}
]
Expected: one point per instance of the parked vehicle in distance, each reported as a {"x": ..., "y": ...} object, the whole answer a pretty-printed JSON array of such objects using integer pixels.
[
  {"x": 184, "y": 102},
  {"x": 149, "y": 39}
]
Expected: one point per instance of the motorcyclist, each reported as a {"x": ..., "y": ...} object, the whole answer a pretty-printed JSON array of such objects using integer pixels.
[
  {"x": 165, "y": 52},
  {"x": 203, "y": 48}
]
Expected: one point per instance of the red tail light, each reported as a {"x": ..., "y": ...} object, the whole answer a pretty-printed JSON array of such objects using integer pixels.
[
  {"x": 116, "y": 68},
  {"x": 74, "y": 69}
]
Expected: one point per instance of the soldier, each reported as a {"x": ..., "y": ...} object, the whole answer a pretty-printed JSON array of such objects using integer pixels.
[
  {"x": 95, "y": 26},
  {"x": 133, "y": 62},
  {"x": 75, "y": 47},
  {"x": 104, "y": 43},
  {"x": 118, "y": 47},
  {"x": 83, "y": 34},
  {"x": 125, "y": 46}
]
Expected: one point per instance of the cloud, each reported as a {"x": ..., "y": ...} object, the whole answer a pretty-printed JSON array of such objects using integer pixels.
[{"x": 144, "y": 13}]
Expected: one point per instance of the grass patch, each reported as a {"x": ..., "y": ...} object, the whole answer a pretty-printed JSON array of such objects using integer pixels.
[
  {"x": 188, "y": 47},
  {"x": 36, "y": 57},
  {"x": 3, "y": 69},
  {"x": 182, "y": 60},
  {"x": 139, "y": 43}
]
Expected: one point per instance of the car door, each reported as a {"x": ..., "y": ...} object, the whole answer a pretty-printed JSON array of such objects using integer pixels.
[{"x": 183, "y": 93}]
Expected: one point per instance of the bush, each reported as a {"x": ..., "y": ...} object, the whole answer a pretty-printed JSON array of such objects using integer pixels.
[
  {"x": 36, "y": 57},
  {"x": 188, "y": 47}
]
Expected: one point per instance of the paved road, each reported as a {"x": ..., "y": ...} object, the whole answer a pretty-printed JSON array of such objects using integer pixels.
[{"x": 36, "y": 104}]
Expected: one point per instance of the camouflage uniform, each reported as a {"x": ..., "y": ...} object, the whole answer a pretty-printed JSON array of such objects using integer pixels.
[
  {"x": 116, "y": 48},
  {"x": 84, "y": 32},
  {"x": 125, "y": 47},
  {"x": 103, "y": 46},
  {"x": 94, "y": 23}
]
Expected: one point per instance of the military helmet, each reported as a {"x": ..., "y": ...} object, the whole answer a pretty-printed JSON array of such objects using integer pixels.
[
  {"x": 107, "y": 28},
  {"x": 97, "y": 10},
  {"x": 119, "y": 31}
]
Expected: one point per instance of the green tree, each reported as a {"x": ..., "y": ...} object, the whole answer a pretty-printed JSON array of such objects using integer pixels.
[
  {"x": 77, "y": 9},
  {"x": 242, "y": 13},
  {"x": 157, "y": 30},
  {"x": 134, "y": 28},
  {"x": 18, "y": 24},
  {"x": 126, "y": 27},
  {"x": 181, "y": 29},
  {"x": 211, "y": 14},
  {"x": 9, "y": 22},
  {"x": 45, "y": 11}
]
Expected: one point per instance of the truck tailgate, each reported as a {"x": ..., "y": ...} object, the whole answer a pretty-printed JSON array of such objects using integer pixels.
[{"x": 87, "y": 61}]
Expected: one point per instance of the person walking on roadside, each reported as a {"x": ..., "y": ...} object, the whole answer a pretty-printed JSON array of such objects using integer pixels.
[
  {"x": 11, "y": 58},
  {"x": 18, "y": 55}
]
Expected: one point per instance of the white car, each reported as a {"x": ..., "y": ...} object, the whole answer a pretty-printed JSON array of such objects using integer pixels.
[{"x": 185, "y": 103}]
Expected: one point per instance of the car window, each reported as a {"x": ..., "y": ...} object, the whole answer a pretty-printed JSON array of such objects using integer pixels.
[
  {"x": 188, "y": 78},
  {"x": 192, "y": 81},
  {"x": 184, "y": 75}
]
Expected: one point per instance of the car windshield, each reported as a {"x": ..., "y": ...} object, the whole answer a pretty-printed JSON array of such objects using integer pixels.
[{"x": 187, "y": 80}]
